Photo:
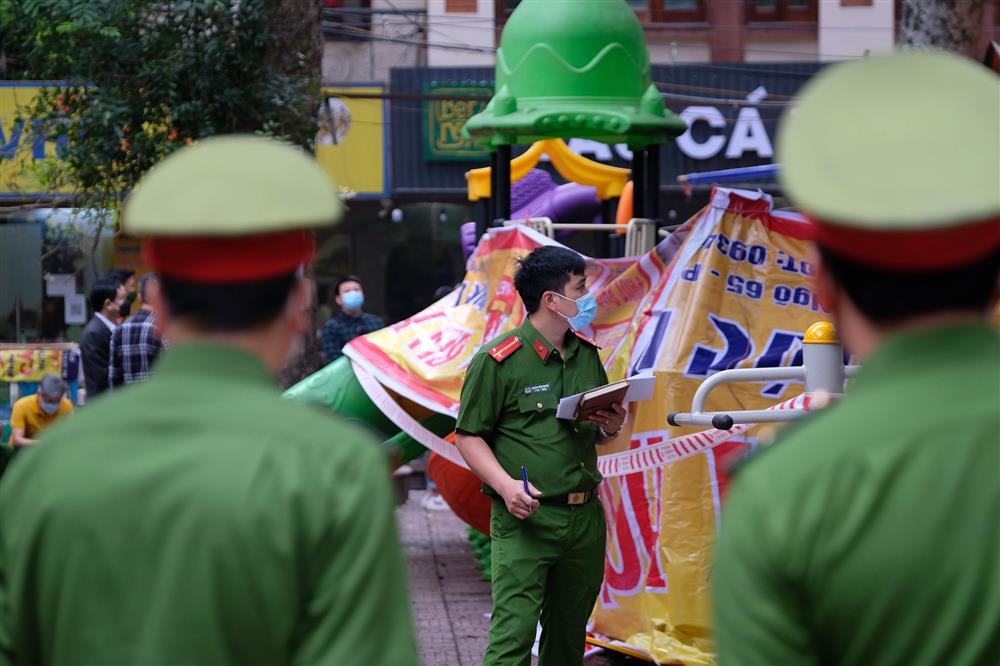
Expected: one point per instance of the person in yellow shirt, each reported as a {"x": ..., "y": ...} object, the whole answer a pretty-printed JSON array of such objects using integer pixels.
[{"x": 32, "y": 414}]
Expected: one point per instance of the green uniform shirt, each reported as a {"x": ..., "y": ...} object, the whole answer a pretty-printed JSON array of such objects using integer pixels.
[
  {"x": 870, "y": 534},
  {"x": 512, "y": 405},
  {"x": 198, "y": 518}
]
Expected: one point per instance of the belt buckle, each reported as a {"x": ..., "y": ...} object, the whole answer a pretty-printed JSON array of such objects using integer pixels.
[{"x": 574, "y": 499}]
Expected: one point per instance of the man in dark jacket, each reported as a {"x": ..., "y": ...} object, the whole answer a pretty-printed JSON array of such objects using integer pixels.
[{"x": 106, "y": 298}]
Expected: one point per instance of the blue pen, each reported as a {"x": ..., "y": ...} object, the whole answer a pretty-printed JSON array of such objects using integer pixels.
[{"x": 524, "y": 477}]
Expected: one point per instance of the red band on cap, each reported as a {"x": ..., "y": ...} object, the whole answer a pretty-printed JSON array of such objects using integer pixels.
[
  {"x": 221, "y": 259},
  {"x": 911, "y": 249}
]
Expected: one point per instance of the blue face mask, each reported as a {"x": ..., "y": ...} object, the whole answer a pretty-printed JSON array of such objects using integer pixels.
[
  {"x": 353, "y": 300},
  {"x": 586, "y": 310},
  {"x": 49, "y": 408}
]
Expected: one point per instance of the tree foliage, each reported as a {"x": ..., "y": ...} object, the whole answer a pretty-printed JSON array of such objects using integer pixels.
[
  {"x": 139, "y": 78},
  {"x": 951, "y": 25}
]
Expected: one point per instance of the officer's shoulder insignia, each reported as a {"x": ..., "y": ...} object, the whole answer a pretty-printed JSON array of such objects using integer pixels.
[
  {"x": 586, "y": 339},
  {"x": 503, "y": 349}
]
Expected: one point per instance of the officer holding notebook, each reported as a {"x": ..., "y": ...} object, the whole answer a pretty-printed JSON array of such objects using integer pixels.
[{"x": 548, "y": 546}]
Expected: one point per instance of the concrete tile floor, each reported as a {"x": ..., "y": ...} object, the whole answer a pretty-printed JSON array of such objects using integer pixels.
[{"x": 449, "y": 596}]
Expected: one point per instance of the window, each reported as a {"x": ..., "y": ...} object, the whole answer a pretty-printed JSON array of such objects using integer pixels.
[
  {"x": 347, "y": 16},
  {"x": 655, "y": 10},
  {"x": 677, "y": 10},
  {"x": 463, "y": 6},
  {"x": 781, "y": 10}
]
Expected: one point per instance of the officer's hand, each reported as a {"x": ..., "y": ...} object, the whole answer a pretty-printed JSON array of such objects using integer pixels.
[
  {"x": 609, "y": 419},
  {"x": 518, "y": 503}
]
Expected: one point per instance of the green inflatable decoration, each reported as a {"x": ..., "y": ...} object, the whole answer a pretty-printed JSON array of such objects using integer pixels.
[
  {"x": 568, "y": 70},
  {"x": 336, "y": 388}
]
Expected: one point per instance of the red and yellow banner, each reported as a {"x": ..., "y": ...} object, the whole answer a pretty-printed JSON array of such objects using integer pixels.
[
  {"x": 728, "y": 289},
  {"x": 29, "y": 365},
  {"x": 736, "y": 295}
]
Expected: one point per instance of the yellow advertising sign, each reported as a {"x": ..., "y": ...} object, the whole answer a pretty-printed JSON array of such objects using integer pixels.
[
  {"x": 424, "y": 357},
  {"x": 737, "y": 294},
  {"x": 352, "y": 139},
  {"x": 18, "y": 150},
  {"x": 29, "y": 365}
]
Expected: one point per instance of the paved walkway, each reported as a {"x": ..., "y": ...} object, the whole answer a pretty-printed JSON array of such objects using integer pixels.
[{"x": 450, "y": 598}]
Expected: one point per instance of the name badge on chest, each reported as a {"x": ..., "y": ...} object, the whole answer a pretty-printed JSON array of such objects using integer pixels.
[{"x": 537, "y": 388}]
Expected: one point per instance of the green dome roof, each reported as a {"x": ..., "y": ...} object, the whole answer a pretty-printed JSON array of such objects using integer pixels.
[{"x": 567, "y": 68}]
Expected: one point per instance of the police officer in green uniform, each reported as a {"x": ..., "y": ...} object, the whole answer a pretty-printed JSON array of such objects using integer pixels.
[
  {"x": 547, "y": 546},
  {"x": 199, "y": 518},
  {"x": 870, "y": 534}
]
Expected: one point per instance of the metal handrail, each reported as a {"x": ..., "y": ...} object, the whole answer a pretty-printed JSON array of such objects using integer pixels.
[
  {"x": 726, "y": 420},
  {"x": 640, "y": 233}
]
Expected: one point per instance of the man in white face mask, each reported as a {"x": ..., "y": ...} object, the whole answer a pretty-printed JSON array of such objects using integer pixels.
[{"x": 32, "y": 414}]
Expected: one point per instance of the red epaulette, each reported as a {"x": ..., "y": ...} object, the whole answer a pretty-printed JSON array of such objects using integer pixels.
[
  {"x": 586, "y": 339},
  {"x": 504, "y": 349}
]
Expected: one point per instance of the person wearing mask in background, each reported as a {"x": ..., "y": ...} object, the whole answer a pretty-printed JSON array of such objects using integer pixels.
[
  {"x": 351, "y": 321},
  {"x": 131, "y": 284},
  {"x": 33, "y": 413},
  {"x": 106, "y": 298},
  {"x": 870, "y": 532},
  {"x": 128, "y": 280},
  {"x": 198, "y": 517},
  {"x": 136, "y": 343}
]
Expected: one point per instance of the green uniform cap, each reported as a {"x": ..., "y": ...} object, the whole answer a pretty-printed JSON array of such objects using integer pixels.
[
  {"x": 231, "y": 186},
  {"x": 907, "y": 141}
]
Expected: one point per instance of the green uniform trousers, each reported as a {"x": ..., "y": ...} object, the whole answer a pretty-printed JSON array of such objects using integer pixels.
[{"x": 552, "y": 565}]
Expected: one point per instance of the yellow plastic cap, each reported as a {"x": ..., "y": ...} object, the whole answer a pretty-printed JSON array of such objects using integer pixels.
[{"x": 821, "y": 333}]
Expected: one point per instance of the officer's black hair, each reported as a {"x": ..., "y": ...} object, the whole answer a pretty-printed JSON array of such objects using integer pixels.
[
  {"x": 227, "y": 307},
  {"x": 343, "y": 280},
  {"x": 891, "y": 297},
  {"x": 547, "y": 268},
  {"x": 105, "y": 289}
]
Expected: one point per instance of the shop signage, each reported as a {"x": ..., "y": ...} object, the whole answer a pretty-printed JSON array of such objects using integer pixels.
[
  {"x": 19, "y": 149},
  {"x": 444, "y": 119},
  {"x": 351, "y": 141}
]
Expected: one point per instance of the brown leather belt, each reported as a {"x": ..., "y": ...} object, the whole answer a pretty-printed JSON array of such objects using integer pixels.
[{"x": 570, "y": 499}]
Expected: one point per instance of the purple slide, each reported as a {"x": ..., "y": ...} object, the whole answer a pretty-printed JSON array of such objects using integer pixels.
[{"x": 537, "y": 195}]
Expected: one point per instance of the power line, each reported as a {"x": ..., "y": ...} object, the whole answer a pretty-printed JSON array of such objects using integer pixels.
[
  {"x": 363, "y": 34},
  {"x": 687, "y": 99}
]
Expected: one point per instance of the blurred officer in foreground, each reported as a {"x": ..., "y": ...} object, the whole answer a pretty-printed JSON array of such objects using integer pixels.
[
  {"x": 198, "y": 518},
  {"x": 870, "y": 534}
]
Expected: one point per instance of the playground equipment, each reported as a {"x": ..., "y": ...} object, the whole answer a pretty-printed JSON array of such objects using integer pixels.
[
  {"x": 640, "y": 235},
  {"x": 564, "y": 73},
  {"x": 589, "y": 194},
  {"x": 823, "y": 370},
  {"x": 769, "y": 171},
  {"x": 608, "y": 181}
]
